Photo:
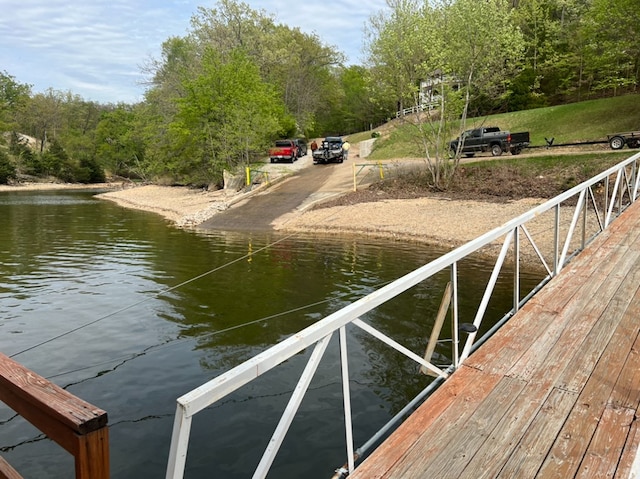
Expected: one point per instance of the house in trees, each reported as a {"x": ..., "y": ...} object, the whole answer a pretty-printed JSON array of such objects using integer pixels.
[{"x": 430, "y": 95}]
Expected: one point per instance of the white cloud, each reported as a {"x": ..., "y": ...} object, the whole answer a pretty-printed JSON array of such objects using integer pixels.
[{"x": 96, "y": 48}]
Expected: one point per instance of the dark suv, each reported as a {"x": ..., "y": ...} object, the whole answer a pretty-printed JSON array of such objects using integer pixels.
[{"x": 302, "y": 147}]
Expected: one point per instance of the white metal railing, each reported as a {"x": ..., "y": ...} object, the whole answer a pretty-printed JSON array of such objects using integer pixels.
[
  {"x": 597, "y": 202},
  {"x": 418, "y": 108},
  {"x": 411, "y": 110}
]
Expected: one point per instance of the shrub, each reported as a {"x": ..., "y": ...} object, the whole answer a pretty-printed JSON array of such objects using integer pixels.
[
  {"x": 7, "y": 169},
  {"x": 90, "y": 171}
]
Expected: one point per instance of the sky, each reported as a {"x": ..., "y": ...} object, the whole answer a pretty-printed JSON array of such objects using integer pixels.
[{"x": 97, "y": 48}]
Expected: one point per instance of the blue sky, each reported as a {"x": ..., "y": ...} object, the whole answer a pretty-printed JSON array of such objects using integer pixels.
[{"x": 96, "y": 48}]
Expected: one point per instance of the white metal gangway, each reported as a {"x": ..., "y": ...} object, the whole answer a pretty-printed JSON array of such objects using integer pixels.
[{"x": 591, "y": 206}]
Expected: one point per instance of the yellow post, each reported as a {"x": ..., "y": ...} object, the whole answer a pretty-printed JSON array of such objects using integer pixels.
[
  {"x": 381, "y": 170},
  {"x": 248, "y": 170}
]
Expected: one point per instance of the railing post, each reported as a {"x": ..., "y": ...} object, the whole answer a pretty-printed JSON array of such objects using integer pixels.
[
  {"x": 92, "y": 460},
  {"x": 77, "y": 426},
  {"x": 516, "y": 272},
  {"x": 454, "y": 315},
  {"x": 179, "y": 443}
]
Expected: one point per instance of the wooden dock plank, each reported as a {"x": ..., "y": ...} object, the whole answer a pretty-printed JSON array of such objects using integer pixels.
[
  {"x": 560, "y": 341},
  {"x": 629, "y": 453},
  {"x": 591, "y": 348},
  {"x": 559, "y": 297},
  {"x": 557, "y": 389},
  {"x": 495, "y": 451},
  {"x": 448, "y": 456},
  {"x": 574, "y": 438},
  {"x": 601, "y": 458},
  {"x": 628, "y": 385},
  {"x": 401, "y": 442},
  {"x": 530, "y": 452},
  {"x": 458, "y": 410}
]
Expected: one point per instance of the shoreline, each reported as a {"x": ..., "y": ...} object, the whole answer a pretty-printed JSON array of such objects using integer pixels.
[
  {"x": 430, "y": 221},
  {"x": 60, "y": 186}
]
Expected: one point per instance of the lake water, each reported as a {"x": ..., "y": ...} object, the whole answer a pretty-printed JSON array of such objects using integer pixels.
[{"x": 129, "y": 313}]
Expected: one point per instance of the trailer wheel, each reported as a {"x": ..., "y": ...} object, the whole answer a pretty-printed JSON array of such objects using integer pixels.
[
  {"x": 496, "y": 150},
  {"x": 633, "y": 142},
  {"x": 616, "y": 143},
  {"x": 516, "y": 151}
]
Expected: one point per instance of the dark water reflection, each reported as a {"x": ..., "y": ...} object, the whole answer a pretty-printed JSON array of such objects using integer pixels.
[{"x": 155, "y": 312}]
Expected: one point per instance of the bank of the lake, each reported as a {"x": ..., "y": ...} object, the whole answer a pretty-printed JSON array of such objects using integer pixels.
[
  {"x": 437, "y": 221},
  {"x": 434, "y": 221}
]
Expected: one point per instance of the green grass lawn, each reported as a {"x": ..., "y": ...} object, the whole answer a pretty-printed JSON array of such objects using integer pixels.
[{"x": 576, "y": 122}]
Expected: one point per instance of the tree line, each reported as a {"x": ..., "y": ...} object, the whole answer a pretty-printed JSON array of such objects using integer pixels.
[{"x": 218, "y": 96}]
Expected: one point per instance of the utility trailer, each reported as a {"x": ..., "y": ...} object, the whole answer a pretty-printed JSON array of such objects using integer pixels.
[{"x": 618, "y": 140}]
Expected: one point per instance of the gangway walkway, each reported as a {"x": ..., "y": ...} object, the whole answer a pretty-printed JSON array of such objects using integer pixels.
[{"x": 553, "y": 394}]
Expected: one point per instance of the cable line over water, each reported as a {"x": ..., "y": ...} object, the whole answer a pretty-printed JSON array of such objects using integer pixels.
[
  {"x": 154, "y": 296},
  {"x": 165, "y": 291}
]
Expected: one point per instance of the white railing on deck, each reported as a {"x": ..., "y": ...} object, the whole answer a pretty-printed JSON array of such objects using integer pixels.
[{"x": 617, "y": 188}]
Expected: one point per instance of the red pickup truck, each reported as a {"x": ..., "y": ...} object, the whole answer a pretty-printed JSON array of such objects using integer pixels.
[{"x": 285, "y": 150}]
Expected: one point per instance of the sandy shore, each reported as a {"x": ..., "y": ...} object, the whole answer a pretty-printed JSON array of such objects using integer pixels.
[
  {"x": 440, "y": 221},
  {"x": 443, "y": 222},
  {"x": 184, "y": 207}
]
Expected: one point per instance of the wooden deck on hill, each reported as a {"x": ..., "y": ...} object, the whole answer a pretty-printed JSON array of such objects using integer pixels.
[{"x": 553, "y": 394}]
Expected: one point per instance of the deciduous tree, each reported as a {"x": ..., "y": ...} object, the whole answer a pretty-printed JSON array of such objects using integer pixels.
[
  {"x": 225, "y": 118},
  {"x": 462, "y": 47}
]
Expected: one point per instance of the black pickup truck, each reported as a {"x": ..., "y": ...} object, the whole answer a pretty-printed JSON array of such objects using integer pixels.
[
  {"x": 491, "y": 139},
  {"x": 329, "y": 151}
]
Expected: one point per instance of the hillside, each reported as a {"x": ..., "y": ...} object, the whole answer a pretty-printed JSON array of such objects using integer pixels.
[
  {"x": 575, "y": 122},
  {"x": 539, "y": 173}
]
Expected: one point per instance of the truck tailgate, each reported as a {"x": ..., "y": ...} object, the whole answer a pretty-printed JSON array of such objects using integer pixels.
[{"x": 520, "y": 137}]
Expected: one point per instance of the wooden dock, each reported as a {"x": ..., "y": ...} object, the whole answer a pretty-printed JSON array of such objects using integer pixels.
[{"x": 553, "y": 394}]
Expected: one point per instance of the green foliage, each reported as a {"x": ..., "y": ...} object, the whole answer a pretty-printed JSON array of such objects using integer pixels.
[
  {"x": 13, "y": 96},
  {"x": 227, "y": 116},
  {"x": 55, "y": 161},
  {"x": 200, "y": 117},
  {"x": 463, "y": 49},
  {"x": 27, "y": 162},
  {"x": 7, "y": 168},
  {"x": 296, "y": 64},
  {"x": 611, "y": 29},
  {"x": 119, "y": 144},
  {"x": 89, "y": 171}
]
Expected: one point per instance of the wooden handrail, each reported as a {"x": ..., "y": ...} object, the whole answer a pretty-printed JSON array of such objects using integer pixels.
[{"x": 79, "y": 427}]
